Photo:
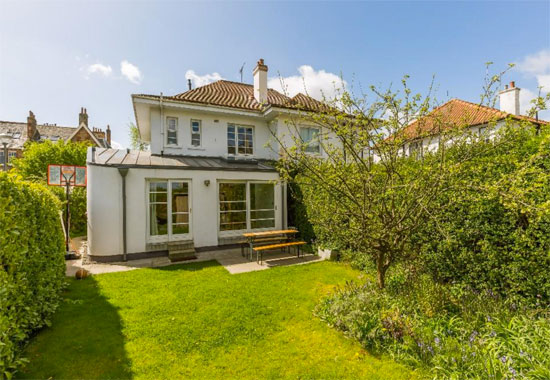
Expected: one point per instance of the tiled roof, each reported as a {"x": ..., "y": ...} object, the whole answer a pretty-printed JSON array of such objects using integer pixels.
[
  {"x": 241, "y": 95},
  {"x": 459, "y": 113},
  {"x": 18, "y": 131},
  {"x": 136, "y": 159}
]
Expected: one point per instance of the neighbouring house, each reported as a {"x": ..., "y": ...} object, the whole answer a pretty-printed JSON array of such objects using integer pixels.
[
  {"x": 423, "y": 135},
  {"x": 208, "y": 177},
  {"x": 32, "y": 131}
]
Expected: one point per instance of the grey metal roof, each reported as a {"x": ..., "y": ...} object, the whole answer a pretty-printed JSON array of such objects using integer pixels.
[{"x": 144, "y": 159}]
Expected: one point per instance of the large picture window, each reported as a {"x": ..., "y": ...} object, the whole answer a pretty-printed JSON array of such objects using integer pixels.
[
  {"x": 246, "y": 205},
  {"x": 168, "y": 209},
  {"x": 240, "y": 139}
]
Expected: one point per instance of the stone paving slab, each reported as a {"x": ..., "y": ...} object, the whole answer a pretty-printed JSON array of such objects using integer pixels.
[{"x": 231, "y": 260}]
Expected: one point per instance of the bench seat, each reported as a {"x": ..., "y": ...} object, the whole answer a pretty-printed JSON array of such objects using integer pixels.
[{"x": 260, "y": 250}]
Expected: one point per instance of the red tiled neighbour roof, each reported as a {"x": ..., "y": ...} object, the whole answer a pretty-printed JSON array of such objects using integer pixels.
[
  {"x": 241, "y": 95},
  {"x": 458, "y": 113}
]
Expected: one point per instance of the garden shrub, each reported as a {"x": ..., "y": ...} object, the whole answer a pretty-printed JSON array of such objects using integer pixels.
[
  {"x": 32, "y": 264},
  {"x": 496, "y": 235},
  {"x": 33, "y": 166},
  {"x": 452, "y": 331}
]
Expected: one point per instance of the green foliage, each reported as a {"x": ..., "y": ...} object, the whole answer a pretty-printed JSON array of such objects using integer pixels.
[
  {"x": 33, "y": 166},
  {"x": 208, "y": 324},
  {"x": 297, "y": 213},
  {"x": 32, "y": 265},
  {"x": 491, "y": 228},
  {"x": 135, "y": 138},
  {"x": 452, "y": 331}
]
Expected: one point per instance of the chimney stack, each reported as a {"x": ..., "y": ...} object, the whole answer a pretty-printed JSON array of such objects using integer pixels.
[
  {"x": 189, "y": 84},
  {"x": 108, "y": 135},
  {"x": 260, "y": 82},
  {"x": 31, "y": 126},
  {"x": 83, "y": 117},
  {"x": 509, "y": 99}
]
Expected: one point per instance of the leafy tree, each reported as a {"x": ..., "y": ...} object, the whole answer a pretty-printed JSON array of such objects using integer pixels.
[
  {"x": 365, "y": 194},
  {"x": 33, "y": 166},
  {"x": 135, "y": 138}
]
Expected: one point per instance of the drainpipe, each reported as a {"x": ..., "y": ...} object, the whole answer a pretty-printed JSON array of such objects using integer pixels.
[
  {"x": 161, "y": 121},
  {"x": 123, "y": 172},
  {"x": 283, "y": 206}
]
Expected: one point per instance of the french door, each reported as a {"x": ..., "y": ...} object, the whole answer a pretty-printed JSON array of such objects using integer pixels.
[{"x": 169, "y": 210}]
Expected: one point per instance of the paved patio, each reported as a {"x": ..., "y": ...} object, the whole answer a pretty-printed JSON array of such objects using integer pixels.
[{"x": 231, "y": 259}]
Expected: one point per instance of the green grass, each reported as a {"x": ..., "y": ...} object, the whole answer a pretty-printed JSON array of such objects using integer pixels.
[{"x": 199, "y": 321}]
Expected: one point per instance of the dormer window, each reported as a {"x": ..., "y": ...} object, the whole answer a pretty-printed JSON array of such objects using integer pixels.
[
  {"x": 240, "y": 139},
  {"x": 171, "y": 131},
  {"x": 196, "y": 133}
]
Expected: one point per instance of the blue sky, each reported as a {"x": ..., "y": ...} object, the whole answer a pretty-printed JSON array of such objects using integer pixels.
[{"x": 56, "y": 57}]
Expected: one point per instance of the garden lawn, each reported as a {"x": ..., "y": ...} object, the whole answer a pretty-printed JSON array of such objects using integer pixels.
[{"x": 199, "y": 321}]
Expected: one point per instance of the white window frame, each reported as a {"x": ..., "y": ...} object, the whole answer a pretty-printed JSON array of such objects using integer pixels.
[
  {"x": 236, "y": 126},
  {"x": 307, "y": 142},
  {"x": 168, "y": 118},
  {"x": 169, "y": 236},
  {"x": 199, "y": 133},
  {"x": 247, "y": 201}
]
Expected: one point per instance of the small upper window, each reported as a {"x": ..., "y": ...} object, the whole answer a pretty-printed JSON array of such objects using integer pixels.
[
  {"x": 171, "y": 131},
  {"x": 415, "y": 149},
  {"x": 195, "y": 132},
  {"x": 310, "y": 137}
]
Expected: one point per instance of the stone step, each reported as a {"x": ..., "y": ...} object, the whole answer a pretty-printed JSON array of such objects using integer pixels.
[{"x": 182, "y": 254}]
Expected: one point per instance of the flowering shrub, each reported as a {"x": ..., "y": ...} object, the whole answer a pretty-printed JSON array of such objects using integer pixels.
[
  {"x": 32, "y": 266},
  {"x": 452, "y": 331}
]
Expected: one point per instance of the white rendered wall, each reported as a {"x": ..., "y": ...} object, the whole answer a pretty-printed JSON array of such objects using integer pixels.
[
  {"x": 213, "y": 133},
  {"x": 105, "y": 206}
]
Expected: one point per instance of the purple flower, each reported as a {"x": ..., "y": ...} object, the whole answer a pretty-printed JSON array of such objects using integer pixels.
[
  {"x": 437, "y": 340},
  {"x": 512, "y": 371},
  {"x": 473, "y": 336},
  {"x": 493, "y": 334},
  {"x": 503, "y": 359}
]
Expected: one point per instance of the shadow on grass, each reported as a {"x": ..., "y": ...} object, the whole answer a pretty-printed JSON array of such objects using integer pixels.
[
  {"x": 189, "y": 266},
  {"x": 85, "y": 339}
]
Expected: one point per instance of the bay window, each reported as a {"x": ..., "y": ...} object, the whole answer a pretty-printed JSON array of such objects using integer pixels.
[{"x": 246, "y": 205}]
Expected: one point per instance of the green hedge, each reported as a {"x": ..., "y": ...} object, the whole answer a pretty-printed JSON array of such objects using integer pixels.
[{"x": 32, "y": 265}]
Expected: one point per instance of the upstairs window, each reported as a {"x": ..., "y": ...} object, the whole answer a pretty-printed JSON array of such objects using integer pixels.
[
  {"x": 415, "y": 149},
  {"x": 196, "y": 133},
  {"x": 310, "y": 137},
  {"x": 171, "y": 131},
  {"x": 240, "y": 139}
]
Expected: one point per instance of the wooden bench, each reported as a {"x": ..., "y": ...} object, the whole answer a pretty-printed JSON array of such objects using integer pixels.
[
  {"x": 245, "y": 244},
  {"x": 260, "y": 250}
]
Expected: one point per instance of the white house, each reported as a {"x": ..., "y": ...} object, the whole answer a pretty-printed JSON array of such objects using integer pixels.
[
  {"x": 207, "y": 178},
  {"x": 423, "y": 135}
]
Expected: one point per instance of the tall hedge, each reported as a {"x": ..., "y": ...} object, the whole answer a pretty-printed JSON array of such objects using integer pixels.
[{"x": 32, "y": 264}]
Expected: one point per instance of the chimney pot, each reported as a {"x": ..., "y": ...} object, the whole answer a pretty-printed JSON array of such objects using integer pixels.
[
  {"x": 189, "y": 84},
  {"x": 31, "y": 126},
  {"x": 83, "y": 117},
  {"x": 512, "y": 84},
  {"x": 108, "y": 135}
]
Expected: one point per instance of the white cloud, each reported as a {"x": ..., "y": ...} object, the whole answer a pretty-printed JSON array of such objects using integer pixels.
[
  {"x": 318, "y": 84},
  {"x": 97, "y": 68},
  {"x": 131, "y": 72},
  {"x": 201, "y": 80},
  {"x": 537, "y": 66}
]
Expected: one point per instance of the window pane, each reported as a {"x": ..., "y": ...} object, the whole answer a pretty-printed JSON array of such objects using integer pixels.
[
  {"x": 262, "y": 205},
  {"x": 159, "y": 221},
  {"x": 180, "y": 218},
  {"x": 262, "y": 196},
  {"x": 157, "y": 197},
  {"x": 158, "y": 186},
  {"x": 180, "y": 229},
  {"x": 262, "y": 223},
  {"x": 232, "y": 206}
]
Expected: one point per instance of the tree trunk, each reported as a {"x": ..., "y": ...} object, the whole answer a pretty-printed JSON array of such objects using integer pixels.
[{"x": 381, "y": 271}]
